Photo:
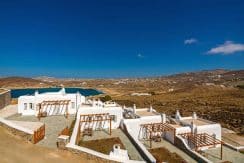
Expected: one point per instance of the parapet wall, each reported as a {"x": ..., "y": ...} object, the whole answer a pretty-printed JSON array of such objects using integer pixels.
[
  {"x": 180, "y": 144},
  {"x": 89, "y": 156},
  {"x": 5, "y": 98},
  {"x": 33, "y": 136},
  {"x": 23, "y": 134}
]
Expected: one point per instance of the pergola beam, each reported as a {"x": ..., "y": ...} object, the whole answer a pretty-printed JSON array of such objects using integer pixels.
[
  {"x": 91, "y": 119},
  {"x": 202, "y": 140},
  {"x": 151, "y": 129},
  {"x": 53, "y": 102}
]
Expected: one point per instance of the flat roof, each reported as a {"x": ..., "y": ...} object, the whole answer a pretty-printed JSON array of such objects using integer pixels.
[
  {"x": 145, "y": 113},
  {"x": 198, "y": 122}
]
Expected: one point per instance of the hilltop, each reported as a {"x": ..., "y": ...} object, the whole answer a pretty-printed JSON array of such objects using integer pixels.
[{"x": 22, "y": 82}]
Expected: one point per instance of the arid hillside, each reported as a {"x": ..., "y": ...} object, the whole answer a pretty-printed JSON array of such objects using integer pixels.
[
  {"x": 21, "y": 82},
  {"x": 217, "y": 95},
  {"x": 225, "y": 106}
]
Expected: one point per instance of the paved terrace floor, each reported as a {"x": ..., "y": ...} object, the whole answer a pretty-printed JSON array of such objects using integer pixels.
[
  {"x": 53, "y": 125},
  {"x": 132, "y": 151},
  {"x": 171, "y": 148},
  {"x": 228, "y": 155}
]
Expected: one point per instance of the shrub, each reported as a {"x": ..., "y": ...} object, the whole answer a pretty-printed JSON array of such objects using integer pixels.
[{"x": 105, "y": 98}]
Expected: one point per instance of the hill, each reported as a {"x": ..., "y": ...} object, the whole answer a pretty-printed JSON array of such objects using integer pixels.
[
  {"x": 22, "y": 82},
  {"x": 217, "y": 95}
]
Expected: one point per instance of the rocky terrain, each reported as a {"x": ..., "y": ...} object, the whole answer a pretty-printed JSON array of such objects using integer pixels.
[{"x": 217, "y": 95}]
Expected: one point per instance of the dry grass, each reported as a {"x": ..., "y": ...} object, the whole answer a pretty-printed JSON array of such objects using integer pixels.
[
  {"x": 164, "y": 155},
  {"x": 225, "y": 106},
  {"x": 102, "y": 145}
]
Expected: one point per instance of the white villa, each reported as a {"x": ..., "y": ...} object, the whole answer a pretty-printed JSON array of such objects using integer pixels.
[
  {"x": 141, "y": 125},
  {"x": 53, "y": 103}
]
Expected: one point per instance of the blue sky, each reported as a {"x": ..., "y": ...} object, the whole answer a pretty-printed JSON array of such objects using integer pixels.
[{"x": 119, "y": 38}]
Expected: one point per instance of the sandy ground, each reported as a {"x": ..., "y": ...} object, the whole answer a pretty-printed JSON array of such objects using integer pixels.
[{"x": 13, "y": 149}]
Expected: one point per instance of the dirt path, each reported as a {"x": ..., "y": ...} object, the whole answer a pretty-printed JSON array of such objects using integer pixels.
[{"x": 13, "y": 149}]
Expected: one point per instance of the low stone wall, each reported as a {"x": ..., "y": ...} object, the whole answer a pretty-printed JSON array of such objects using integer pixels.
[
  {"x": 23, "y": 135},
  {"x": 5, "y": 98},
  {"x": 89, "y": 156}
]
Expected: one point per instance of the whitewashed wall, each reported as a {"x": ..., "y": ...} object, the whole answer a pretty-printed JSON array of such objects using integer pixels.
[
  {"x": 117, "y": 111},
  {"x": 210, "y": 129},
  {"x": 97, "y": 110},
  {"x": 133, "y": 128},
  {"x": 77, "y": 99}
]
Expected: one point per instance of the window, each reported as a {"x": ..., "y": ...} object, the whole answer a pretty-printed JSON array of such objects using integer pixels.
[
  {"x": 25, "y": 106},
  {"x": 72, "y": 105},
  {"x": 31, "y": 105},
  {"x": 113, "y": 118}
]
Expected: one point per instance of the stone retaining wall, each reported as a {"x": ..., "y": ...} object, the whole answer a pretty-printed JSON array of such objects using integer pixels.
[
  {"x": 23, "y": 135},
  {"x": 5, "y": 98},
  {"x": 89, "y": 156}
]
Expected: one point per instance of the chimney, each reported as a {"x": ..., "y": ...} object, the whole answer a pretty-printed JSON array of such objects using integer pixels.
[
  {"x": 63, "y": 91},
  {"x": 36, "y": 93},
  {"x": 177, "y": 115},
  {"x": 163, "y": 116},
  {"x": 194, "y": 115},
  {"x": 134, "y": 108},
  {"x": 93, "y": 102}
]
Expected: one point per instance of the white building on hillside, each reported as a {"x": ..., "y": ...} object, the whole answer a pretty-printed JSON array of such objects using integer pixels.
[
  {"x": 148, "y": 125},
  {"x": 53, "y": 103}
]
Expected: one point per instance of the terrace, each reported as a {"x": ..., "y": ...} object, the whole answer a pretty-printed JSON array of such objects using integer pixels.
[
  {"x": 172, "y": 151},
  {"x": 53, "y": 126},
  {"x": 145, "y": 112},
  {"x": 103, "y": 142},
  {"x": 229, "y": 155},
  {"x": 198, "y": 121}
]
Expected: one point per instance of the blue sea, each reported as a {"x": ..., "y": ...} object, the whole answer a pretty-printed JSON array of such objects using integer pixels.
[{"x": 15, "y": 93}]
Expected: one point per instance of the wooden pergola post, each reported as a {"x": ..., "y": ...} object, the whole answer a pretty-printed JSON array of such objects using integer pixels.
[
  {"x": 53, "y": 103},
  {"x": 150, "y": 138},
  {"x": 110, "y": 126},
  {"x": 66, "y": 113},
  {"x": 174, "y": 136},
  {"x": 202, "y": 140},
  {"x": 39, "y": 111},
  {"x": 221, "y": 151},
  {"x": 92, "y": 119},
  {"x": 157, "y": 128}
]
